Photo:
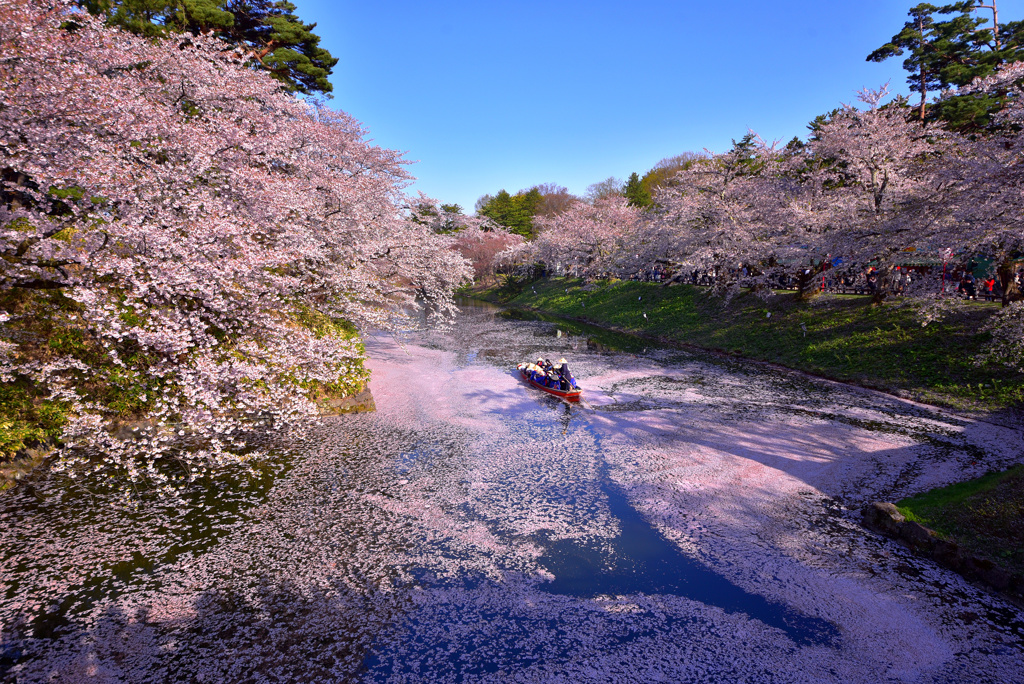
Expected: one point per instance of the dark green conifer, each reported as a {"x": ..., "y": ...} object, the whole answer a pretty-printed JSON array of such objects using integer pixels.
[
  {"x": 268, "y": 29},
  {"x": 951, "y": 53},
  {"x": 514, "y": 212},
  {"x": 636, "y": 193}
]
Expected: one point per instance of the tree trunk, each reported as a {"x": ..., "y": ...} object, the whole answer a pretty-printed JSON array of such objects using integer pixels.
[
  {"x": 995, "y": 20},
  {"x": 807, "y": 283},
  {"x": 1011, "y": 291},
  {"x": 884, "y": 285},
  {"x": 13, "y": 198},
  {"x": 924, "y": 76}
]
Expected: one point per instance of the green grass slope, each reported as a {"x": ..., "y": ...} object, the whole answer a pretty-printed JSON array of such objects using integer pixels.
[
  {"x": 984, "y": 516},
  {"x": 841, "y": 337}
]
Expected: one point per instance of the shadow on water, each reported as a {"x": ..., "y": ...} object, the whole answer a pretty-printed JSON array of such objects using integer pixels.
[
  {"x": 641, "y": 561},
  {"x": 187, "y": 526},
  {"x": 268, "y": 633}
]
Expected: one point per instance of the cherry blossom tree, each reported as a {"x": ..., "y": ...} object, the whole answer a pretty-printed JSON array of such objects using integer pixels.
[
  {"x": 206, "y": 238},
  {"x": 989, "y": 174},
  {"x": 478, "y": 239},
  {"x": 989, "y": 205},
  {"x": 480, "y": 244},
  {"x": 725, "y": 214},
  {"x": 590, "y": 239},
  {"x": 875, "y": 186}
]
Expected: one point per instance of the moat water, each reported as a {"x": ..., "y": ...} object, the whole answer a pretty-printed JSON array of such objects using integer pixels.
[{"x": 693, "y": 519}]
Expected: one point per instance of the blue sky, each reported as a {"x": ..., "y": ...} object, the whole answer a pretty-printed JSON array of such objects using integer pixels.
[{"x": 492, "y": 95}]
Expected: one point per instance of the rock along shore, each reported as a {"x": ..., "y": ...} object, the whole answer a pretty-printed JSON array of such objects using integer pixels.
[{"x": 884, "y": 517}]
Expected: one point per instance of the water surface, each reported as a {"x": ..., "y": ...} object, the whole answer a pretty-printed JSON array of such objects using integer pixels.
[{"x": 694, "y": 519}]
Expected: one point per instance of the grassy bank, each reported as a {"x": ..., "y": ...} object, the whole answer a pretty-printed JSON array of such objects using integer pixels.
[
  {"x": 840, "y": 337},
  {"x": 984, "y": 516}
]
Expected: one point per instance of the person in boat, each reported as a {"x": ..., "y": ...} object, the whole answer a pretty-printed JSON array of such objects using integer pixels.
[
  {"x": 566, "y": 380},
  {"x": 537, "y": 372},
  {"x": 532, "y": 369},
  {"x": 540, "y": 374}
]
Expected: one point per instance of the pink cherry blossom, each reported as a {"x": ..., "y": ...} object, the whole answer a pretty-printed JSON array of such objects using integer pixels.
[{"x": 192, "y": 213}]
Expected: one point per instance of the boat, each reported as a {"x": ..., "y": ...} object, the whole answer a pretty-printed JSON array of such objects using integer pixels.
[{"x": 569, "y": 395}]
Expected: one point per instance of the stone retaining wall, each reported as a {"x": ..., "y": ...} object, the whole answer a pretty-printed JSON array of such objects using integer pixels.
[{"x": 884, "y": 517}]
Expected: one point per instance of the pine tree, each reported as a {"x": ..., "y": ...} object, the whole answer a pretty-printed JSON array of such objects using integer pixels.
[
  {"x": 636, "y": 193},
  {"x": 514, "y": 212},
  {"x": 282, "y": 43},
  {"x": 268, "y": 30},
  {"x": 917, "y": 38},
  {"x": 951, "y": 53}
]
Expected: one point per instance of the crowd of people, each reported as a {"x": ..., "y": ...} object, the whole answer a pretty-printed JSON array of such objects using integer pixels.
[
  {"x": 988, "y": 287},
  {"x": 960, "y": 281},
  {"x": 954, "y": 281}
]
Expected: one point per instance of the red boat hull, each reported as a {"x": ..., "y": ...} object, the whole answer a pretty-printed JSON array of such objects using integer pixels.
[{"x": 568, "y": 395}]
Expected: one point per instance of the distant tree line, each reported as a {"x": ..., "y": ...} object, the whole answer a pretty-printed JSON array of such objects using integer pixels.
[{"x": 872, "y": 187}]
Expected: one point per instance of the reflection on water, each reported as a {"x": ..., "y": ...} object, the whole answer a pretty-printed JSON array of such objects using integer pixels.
[
  {"x": 478, "y": 528},
  {"x": 596, "y": 339}
]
